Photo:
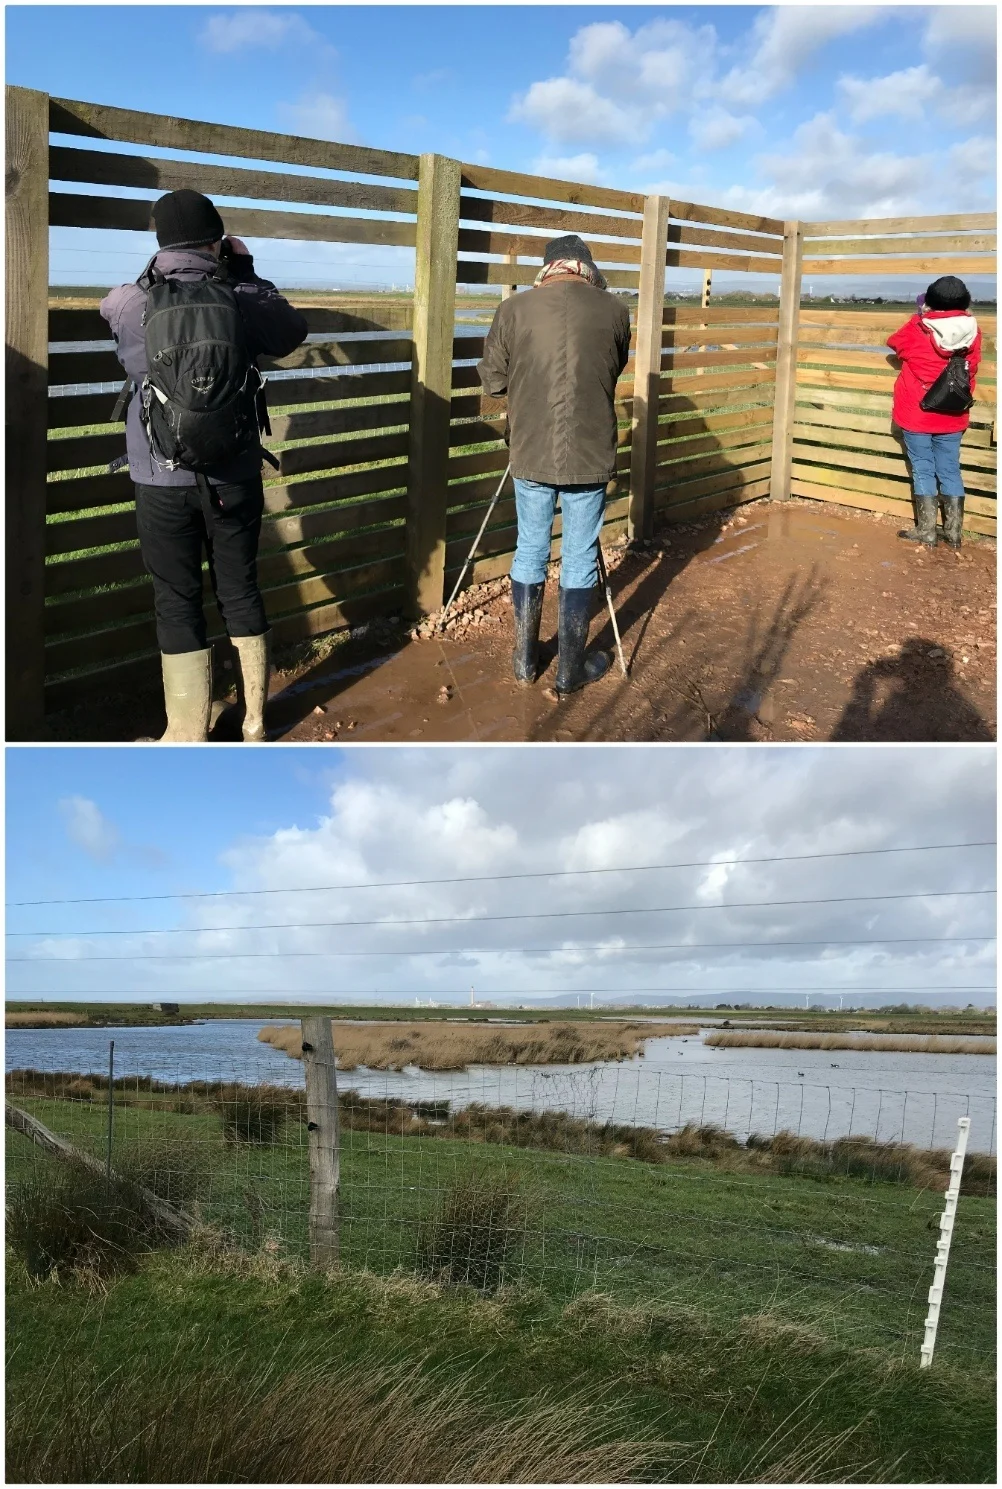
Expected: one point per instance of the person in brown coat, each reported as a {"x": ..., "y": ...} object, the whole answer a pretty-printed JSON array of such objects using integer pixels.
[{"x": 557, "y": 352}]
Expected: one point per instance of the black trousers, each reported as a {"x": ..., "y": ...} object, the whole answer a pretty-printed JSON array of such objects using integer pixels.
[{"x": 176, "y": 527}]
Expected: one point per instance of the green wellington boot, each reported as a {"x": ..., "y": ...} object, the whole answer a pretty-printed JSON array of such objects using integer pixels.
[
  {"x": 953, "y": 521},
  {"x": 187, "y": 695},
  {"x": 924, "y": 530},
  {"x": 253, "y": 670}
]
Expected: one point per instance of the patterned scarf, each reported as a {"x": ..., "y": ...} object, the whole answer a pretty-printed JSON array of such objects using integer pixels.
[{"x": 572, "y": 266}]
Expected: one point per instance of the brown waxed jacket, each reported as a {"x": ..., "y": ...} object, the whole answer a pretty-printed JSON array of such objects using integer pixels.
[{"x": 557, "y": 351}]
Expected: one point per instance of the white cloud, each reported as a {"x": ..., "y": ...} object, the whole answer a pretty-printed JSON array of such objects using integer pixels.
[
  {"x": 239, "y": 30},
  {"x": 657, "y": 160},
  {"x": 906, "y": 94},
  {"x": 715, "y": 128},
  {"x": 583, "y": 167},
  {"x": 785, "y": 37},
  {"x": 618, "y": 83},
  {"x": 88, "y": 828},
  {"x": 318, "y": 115}
]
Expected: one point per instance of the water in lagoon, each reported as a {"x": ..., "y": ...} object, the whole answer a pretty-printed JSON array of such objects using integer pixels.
[{"x": 820, "y": 1093}]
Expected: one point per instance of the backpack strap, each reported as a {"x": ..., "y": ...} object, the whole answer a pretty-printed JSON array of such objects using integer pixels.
[{"x": 127, "y": 389}]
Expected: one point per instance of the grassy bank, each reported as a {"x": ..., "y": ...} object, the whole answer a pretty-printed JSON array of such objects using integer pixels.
[
  {"x": 912, "y": 1044},
  {"x": 451, "y": 1047},
  {"x": 845, "y": 1253},
  {"x": 157, "y": 1379}
]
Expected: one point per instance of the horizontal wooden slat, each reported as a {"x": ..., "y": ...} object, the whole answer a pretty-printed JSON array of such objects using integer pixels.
[
  {"x": 106, "y": 168},
  {"x": 475, "y": 271},
  {"x": 961, "y": 222},
  {"x": 975, "y": 438},
  {"x": 744, "y": 357},
  {"x": 708, "y": 444},
  {"x": 515, "y": 183},
  {"x": 674, "y": 513},
  {"x": 876, "y": 440},
  {"x": 339, "y": 453},
  {"x": 877, "y": 502},
  {"x": 959, "y": 265},
  {"x": 472, "y": 240},
  {"x": 66, "y": 209},
  {"x": 832, "y": 357},
  {"x": 881, "y": 465},
  {"x": 341, "y": 354},
  {"x": 72, "y": 454},
  {"x": 553, "y": 220},
  {"x": 101, "y": 121},
  {"x": 283, "y": 496},
  {"x": 731, "y": 336},
  {"x": 912, "y": 245},
  {"x": 719, "y": 315},
  {"x": 338, "y": 420},
  {"x": 672, "y": 384},
  {"x": 733, "y": 242},
  {"x": 754, "y": 394},
  {"x": 310, "y": 524},
  {"x": 691, "y": 212},
  {"x": 90, "y": 532},
  {"x": 877, "y": 319},
  {"x": 749, "y": 418},
  {"x": 742, "y": 263},
  {"x": 727, "y": 479},
  {"x": 816, "y": 377},
  {"x": 711, "y": 463},
  {"x": 103, "y": 490}
]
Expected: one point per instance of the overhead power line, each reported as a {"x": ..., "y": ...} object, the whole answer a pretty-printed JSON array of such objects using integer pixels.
[
  {"x": 305, "y": 925},
  {"x": 158, "y": 956},
  {"x": 637, "y": 868}
]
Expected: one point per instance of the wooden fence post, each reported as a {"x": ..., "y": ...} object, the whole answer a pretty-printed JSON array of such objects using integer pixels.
[
  {"x": 647, "y": 367},
  {"x": 786, "y": 361},
  {"x": 431, "y": 379},
  {"x": 323, "y": 1128},
  {"x": 510, "y": 262},
  {"x": 27, "y": 328}
]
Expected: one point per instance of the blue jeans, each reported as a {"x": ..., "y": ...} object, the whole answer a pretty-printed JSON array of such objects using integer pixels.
[
  {"x": 582, "y": 508},
  {"x": 934, "y": 457}
]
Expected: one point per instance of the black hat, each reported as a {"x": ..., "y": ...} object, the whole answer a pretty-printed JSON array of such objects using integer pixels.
[
  {"x": 186, "y": 219},
  {"x": 568, "y": 247},
  {"x": 947, "y": 293}
]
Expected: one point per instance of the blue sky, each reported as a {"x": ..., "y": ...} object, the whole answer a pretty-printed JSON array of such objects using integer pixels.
[
  {"x": 812, "y": 111},
  {"x": 84, "y": 823}
]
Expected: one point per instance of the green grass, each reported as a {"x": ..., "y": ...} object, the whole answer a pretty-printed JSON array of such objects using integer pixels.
[{"x": 847, "y": 1260}]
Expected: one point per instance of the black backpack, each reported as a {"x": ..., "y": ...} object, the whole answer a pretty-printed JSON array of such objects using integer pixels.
[
  {"x": 951, "y": 392},
  {"x": 202, "y": 400}
]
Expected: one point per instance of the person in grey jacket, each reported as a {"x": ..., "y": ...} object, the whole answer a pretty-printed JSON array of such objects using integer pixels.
[
  {"x": 176, "y": 524},
  {"x": 557, "y": 351}
]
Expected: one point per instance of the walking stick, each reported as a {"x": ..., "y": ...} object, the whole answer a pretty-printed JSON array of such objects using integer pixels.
[
  {"x": 604, "y": 575},
  {"x": 476, "y": 545}
]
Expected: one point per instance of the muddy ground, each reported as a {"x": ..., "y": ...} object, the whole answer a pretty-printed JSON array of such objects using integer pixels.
[{"x": 789, "y": 621}]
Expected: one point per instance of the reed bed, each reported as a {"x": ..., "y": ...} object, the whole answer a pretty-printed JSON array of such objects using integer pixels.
[
  {"x": 441, "y": 1046},
  {"x": 43, "y": 1020},
  {"x": 905, "y": 1044}
]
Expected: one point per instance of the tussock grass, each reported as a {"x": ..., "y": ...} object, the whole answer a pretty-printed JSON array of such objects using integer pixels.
[
  {"x": 913, "y": 1044},
  {"x": 364, "y": 1423},
  {"x": 441, "y": 1046},
  {"x": 43, "y": 1020},
  {"x": 481, "y": 1221},
  {"x": 79, "y": 1221},
  {"x": 254, "y": 1114}
]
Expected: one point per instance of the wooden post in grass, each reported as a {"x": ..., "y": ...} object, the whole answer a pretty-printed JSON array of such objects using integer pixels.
[
  {"x": 431, "y": 380},
  {"x": 786, "y": 361},
  {"x": 27, "y": 375},
  {"x": 647, "y": 367},
  {"x": 324, "y": 1141}
]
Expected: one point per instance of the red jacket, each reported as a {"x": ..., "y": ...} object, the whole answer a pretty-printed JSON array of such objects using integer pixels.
[{"x": 923, "y": 357}]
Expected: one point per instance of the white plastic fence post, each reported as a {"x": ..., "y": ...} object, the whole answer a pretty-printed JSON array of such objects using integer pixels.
[{"x": 943, "y": 1245}]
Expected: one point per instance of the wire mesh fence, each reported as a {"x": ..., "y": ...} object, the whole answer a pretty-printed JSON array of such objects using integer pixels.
[{"x": 734, "y": 1196}]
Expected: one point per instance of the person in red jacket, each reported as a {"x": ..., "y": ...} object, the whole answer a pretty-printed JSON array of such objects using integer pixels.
[{"x": 924, "y": 345}]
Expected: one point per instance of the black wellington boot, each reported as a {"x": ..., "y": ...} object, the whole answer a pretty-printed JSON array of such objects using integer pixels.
[
  {"x": 527, "y": 603},
  {"x": 953, "y": 520},
  {"x": 574, "y": 669},
  {"x": 924, "y": 530}
]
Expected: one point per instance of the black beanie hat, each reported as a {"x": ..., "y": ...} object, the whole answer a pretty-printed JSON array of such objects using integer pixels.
[
  {"x": 568, "y": 247},
  {"x": 186, "y": 219},
  {"x": 947, "y": 293}
]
